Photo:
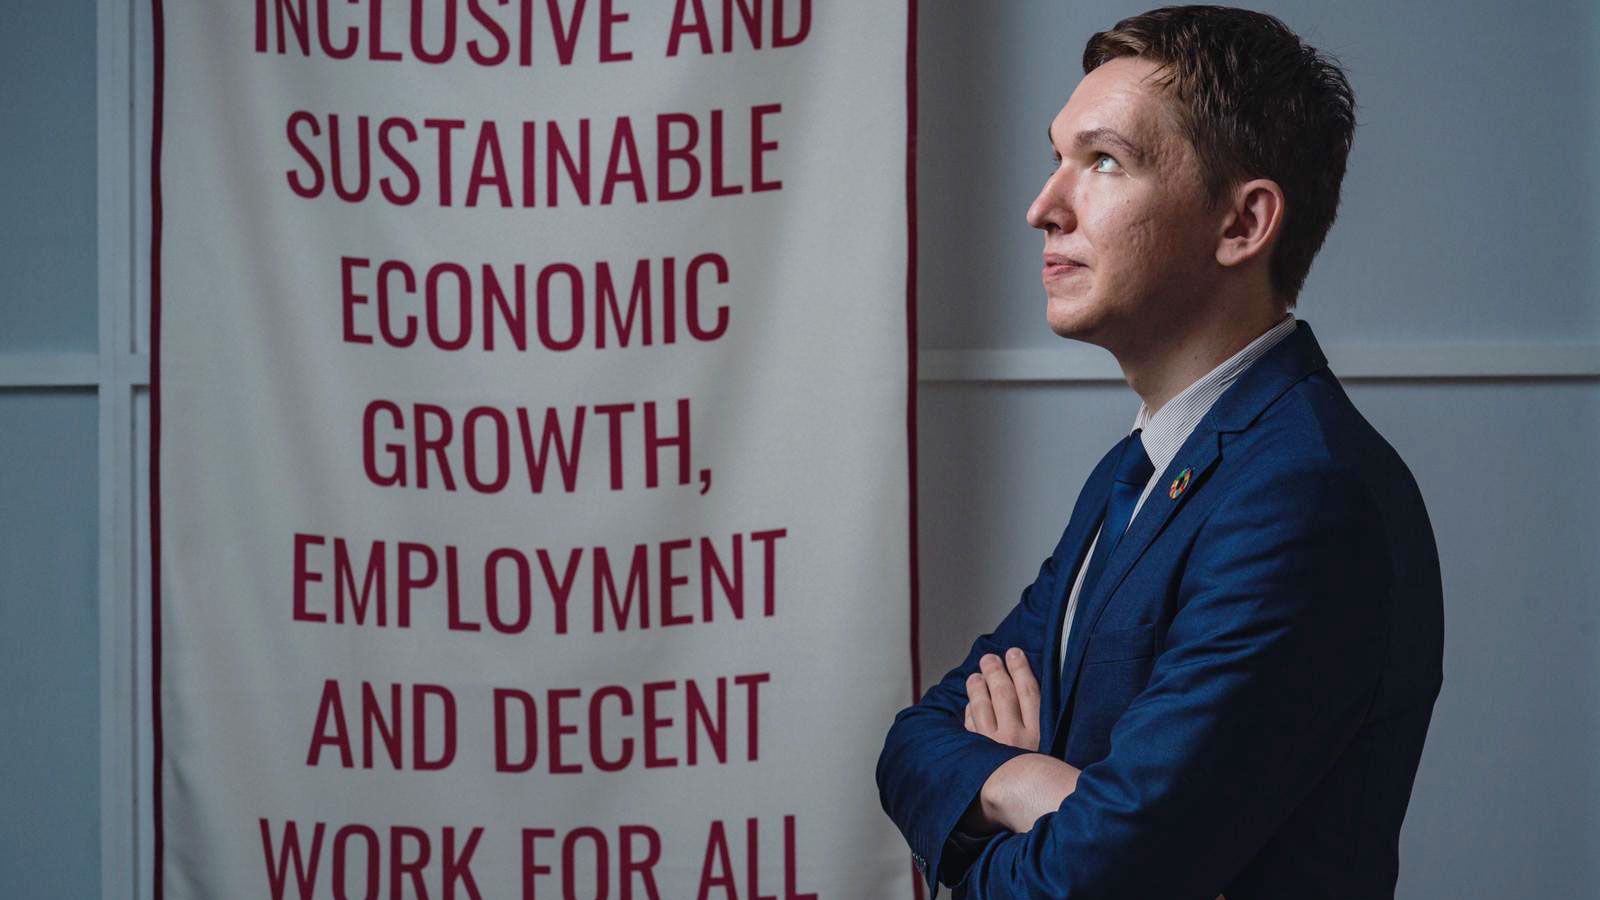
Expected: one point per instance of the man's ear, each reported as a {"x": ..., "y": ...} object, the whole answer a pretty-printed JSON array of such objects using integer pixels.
[{"x": 1251, "y": 223}]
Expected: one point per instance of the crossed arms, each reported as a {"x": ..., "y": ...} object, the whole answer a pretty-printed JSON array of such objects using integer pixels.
[
  {"x": 1003, "y": 705},
  {"x": 1266, "y": 672}
]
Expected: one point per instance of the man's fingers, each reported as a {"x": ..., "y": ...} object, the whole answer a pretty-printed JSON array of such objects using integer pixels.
[
  {"x": 979, "y": 706},
  {"x": 1027, "y": 688},
  {"x": 1002, "y": 693},
  {"x": 968, "y": 722}
]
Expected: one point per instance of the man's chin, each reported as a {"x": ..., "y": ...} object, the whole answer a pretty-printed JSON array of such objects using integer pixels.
[{"x": 1067, "y": 319}]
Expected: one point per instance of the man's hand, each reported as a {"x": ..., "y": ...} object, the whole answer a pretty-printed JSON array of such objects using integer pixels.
[
  {"x": 1003, "y": 705},
  {"x": 1003, "y": 700}
]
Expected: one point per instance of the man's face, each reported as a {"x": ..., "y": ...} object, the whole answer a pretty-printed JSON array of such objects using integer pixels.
[{"x": 1129, "y": 244}]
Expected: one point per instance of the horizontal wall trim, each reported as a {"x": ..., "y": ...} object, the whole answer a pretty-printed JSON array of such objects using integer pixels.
[
  {"x": 49, "y": 370},
  {"x": 1351, "y": 362},
  {"x": 1071, "y": 364},
  {"x": 46, "y": 370}
]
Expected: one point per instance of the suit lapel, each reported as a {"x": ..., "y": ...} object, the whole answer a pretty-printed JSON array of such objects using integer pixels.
[
  {"x": 1080, "y": 530},
  {"x": 1295, "y": 357},
  {"x": 1198, "y": 454}
]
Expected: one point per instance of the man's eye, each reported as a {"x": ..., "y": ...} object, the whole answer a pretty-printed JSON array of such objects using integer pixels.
[{"x": 1103, "y": 158}]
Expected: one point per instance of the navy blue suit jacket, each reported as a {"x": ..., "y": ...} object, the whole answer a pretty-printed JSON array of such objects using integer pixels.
[{"x": 1246, "y": 689}]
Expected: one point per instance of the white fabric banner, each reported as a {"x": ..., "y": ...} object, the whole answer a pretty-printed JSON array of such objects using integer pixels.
[{"x": 531, "y": 447}]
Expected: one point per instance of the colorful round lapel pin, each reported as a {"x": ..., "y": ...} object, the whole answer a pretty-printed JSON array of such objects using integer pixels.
[{"x": 1180, "y": 484}]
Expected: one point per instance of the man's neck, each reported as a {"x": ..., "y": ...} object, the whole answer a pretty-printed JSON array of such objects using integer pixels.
[{"x": 1168, "y": 365}]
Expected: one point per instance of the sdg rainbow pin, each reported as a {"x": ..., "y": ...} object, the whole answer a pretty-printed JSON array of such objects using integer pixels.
[{"x": 1180, "y": 484}]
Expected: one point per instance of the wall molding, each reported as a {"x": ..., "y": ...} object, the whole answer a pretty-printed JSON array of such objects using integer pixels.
[
  {"x": 74, "y": 370},
  {"x": 118, "y": 371},
  {"x": 1067, "y": 365},
  {"x": 49, "y": 370},
  {"x": 1363, "y": 361}
]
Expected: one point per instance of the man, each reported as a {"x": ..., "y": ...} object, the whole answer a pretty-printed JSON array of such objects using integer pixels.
[{"x": 1238, "y": 638}]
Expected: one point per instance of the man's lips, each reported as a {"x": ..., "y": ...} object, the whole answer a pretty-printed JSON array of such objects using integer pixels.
[{"x": 1056, "y": 265}]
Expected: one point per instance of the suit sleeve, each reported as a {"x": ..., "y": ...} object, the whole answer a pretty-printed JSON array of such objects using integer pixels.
[
  {"x": 931, "y": 768},
  {"x": 1268, "y": 669}
]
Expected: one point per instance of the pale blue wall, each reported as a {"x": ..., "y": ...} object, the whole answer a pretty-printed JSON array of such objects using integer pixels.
[
  {"x": 1469, "y": 210},
  {"x": 47, "y": 176},
  {"x": 49, "y": 646},
  {"x": 49, "y": 468}
]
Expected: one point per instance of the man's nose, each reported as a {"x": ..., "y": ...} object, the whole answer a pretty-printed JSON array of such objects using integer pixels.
[{"x": 1052, "y": 209}]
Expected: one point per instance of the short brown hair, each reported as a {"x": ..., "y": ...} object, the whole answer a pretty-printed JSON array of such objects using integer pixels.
[{"x": 1257, "y": 102}]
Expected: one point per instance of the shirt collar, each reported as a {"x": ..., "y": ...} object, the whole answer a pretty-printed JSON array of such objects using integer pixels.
[{"x": 1165, "y": 431}]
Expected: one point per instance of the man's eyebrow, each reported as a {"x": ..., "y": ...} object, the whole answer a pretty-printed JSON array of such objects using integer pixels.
[{"x": 1105, "y": 136}]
